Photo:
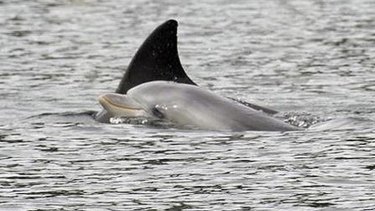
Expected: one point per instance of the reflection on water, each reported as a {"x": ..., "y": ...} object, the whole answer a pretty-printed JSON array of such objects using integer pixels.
[{"x": 311, "y": 60}]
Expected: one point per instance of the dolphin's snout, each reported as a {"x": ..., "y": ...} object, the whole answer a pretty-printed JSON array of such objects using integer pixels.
[{"x": 119, "y": 105}]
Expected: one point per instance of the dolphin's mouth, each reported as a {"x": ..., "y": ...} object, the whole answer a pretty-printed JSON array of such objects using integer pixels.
[{"x": 121, "y": 105}]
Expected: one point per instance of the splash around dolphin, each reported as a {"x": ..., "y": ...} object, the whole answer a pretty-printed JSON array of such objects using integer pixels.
[{"x": 189, "y": 106}]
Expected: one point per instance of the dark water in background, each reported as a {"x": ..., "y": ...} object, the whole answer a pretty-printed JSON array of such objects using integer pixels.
[{"x": 308, "y": 59}]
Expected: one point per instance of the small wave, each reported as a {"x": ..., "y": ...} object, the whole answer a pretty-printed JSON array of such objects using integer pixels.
[
  {"x": 345, "y": 123},
  {"x": 313, "y": 122},
  {"x": 63, "y": 114},
  {"x": 152, "y": 122},
  {"x": 302, "y": 120},
  {"x": 62, "y": 119}
]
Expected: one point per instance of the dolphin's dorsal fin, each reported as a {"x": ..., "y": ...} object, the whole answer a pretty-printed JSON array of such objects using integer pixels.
[{"x": 156, "y": 59}]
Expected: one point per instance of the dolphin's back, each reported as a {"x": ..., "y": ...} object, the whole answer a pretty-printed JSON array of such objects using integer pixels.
[{"x": 197, "y": 107}]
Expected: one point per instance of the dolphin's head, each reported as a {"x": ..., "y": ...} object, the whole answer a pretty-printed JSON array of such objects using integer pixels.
[{"x": 159, "y": 99}]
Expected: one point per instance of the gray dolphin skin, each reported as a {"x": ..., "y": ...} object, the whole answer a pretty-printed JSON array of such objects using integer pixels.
[
  {"x": 157, "y": 59},
  {"x": 191, "y": 106}
]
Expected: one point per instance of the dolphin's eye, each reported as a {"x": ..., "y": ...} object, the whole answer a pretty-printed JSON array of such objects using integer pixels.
[{"x": 156, "y": 112}]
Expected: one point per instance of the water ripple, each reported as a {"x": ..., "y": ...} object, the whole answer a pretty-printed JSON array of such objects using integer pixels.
[{"x": 311, "y": 60}]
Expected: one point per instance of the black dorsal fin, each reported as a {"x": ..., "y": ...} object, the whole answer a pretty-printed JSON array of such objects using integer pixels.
[{"x": 156, "y": 59}]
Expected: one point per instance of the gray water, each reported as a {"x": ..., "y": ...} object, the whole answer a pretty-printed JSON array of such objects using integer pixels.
[{"x": 313, "y": 60}]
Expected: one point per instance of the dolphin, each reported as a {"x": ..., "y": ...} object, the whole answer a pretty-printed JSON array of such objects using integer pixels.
[
  {"x": 189, "y": 106},
  {"x": 157, "y": 59}
]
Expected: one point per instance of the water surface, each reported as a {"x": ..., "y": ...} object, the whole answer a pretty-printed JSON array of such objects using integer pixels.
[{"x": 311, "y": 60}]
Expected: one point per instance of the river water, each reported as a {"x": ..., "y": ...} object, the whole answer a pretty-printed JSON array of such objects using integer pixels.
[{"x": 312, "y": 60}]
